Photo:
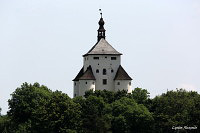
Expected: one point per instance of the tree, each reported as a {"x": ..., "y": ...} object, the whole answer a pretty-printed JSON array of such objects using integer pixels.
[
  {"x": 35, "y": 108},
  {"x": 95, "y": 118},
  {"x": 176, "y": 108},
  {"x": 63, "y": 113},
  {"x": 108, "y": 96},
  {"x": 130, "y": 116},
  {"x": 4, "y": 123},
  {"x": 140, "y": 95},
  {"x": 27, "y": 104}
]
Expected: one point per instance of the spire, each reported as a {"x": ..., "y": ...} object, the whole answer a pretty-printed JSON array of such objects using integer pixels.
[{"x": 101, "y": 31}]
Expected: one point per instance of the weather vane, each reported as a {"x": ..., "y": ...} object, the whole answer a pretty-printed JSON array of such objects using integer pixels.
[{"x": 100, "y": 12}]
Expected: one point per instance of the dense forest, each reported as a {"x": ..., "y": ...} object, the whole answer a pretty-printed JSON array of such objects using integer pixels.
[{"x": 34, "y": 108}]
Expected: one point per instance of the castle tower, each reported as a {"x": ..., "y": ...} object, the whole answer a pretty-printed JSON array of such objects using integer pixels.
[{"x": 101, "y": 68}]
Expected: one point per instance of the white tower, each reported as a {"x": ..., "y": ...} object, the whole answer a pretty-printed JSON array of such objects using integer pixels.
[{"x": 101, "y": 68}]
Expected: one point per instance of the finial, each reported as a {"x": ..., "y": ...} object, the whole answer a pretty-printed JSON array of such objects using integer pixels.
[
  {"x": 101, "y": 30},
  {"x": 100, "y": 12}
]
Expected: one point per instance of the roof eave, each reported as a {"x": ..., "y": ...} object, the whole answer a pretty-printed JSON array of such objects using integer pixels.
[
  {"x": 124, "y": 79},
  {"x": 101, "y": 54},
  {"x": 87, "y": 79}
]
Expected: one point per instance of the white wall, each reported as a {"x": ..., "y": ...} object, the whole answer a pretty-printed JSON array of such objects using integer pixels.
[
  {"x": 85, "y": 87},
  {"x": 76, "y": 88},
  {"x": 100, "y": 64},
  {"x": 124, "y": 85}
]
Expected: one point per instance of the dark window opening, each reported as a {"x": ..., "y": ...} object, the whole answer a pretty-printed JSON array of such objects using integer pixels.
[
  {"x": 118, "y": 83},
  {"x": 106, "y": 57},
  {"x": 96, "y": 58},
  {"x": 85, "y": 82},
  {"x": 104, "y": 81},
  {"x": 112, "y": 70},
  {"x": 74, "y": 95},
  {"x": 129, "y": 83},
  {"x": 93, "y": 83},
  {"x": 113, "y": 58},
  {"x": 97, "y": 71},
  {"x": 104, "y": 71},
  {"x": 75, "y": 84},
  {"x": 98, "y": 63}
]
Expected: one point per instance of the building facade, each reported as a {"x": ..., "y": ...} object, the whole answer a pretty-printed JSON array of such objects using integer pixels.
[{"x": 101, "y": 68}]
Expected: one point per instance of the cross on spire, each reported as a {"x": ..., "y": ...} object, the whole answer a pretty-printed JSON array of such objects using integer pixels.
[{"x": 100, "y": 12}]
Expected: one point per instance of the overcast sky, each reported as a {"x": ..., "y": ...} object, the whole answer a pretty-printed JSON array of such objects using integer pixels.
[{"x": 44, "y": 40}]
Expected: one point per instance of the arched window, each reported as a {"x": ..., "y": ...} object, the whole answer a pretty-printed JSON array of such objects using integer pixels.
[
  {"x": 104, "y": 71},
  {"x": 97, "y": 71}
]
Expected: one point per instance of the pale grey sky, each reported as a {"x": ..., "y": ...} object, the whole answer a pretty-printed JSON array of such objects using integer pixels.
[{"x": 44, "y": 40}]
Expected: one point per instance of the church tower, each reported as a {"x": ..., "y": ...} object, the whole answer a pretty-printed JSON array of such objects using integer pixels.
[{"x": 101, "y": 68}]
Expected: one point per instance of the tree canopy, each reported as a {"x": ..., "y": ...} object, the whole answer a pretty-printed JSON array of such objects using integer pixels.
[{"x": 34, "y": 108}]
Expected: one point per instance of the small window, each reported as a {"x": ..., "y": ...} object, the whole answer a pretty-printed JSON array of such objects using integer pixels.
[
  {"x": 118, "y": 83},
  {"x": 113, "y": 58},
  {"x": 112, "y": 70},
  {"x": 96, "y": 58},
  {"x": 106, "y": 57},
  {"x": 93, "y": 83},
  {"x": 104, "y": 81},
  {"x": 75, "y": 84},
  {"x": 97, "y": 71},
  {"x": 104, "y": 71},
  {"x": 74, "y": 95},
  {"x": 129, "y": 83},
  {"x": 85, "y": 82},
  {"x": 98, "y": 63}
]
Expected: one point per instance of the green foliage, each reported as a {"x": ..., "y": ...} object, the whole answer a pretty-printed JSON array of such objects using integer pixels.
[
  {"x": 140, "y": 95},
  {"x": 4, "y": 122},
  {"x": 26, "y": 99},
  {"x": 63, "y": 113},
  {"x": 124, "y": 113},
  {"x": 108, "y": 96},
  {"x": 130, "y": 116},
  {"x": 176, "y": 108},
  {"x": 94, "y": 117},
  {"x": 37, "y": 109}
]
